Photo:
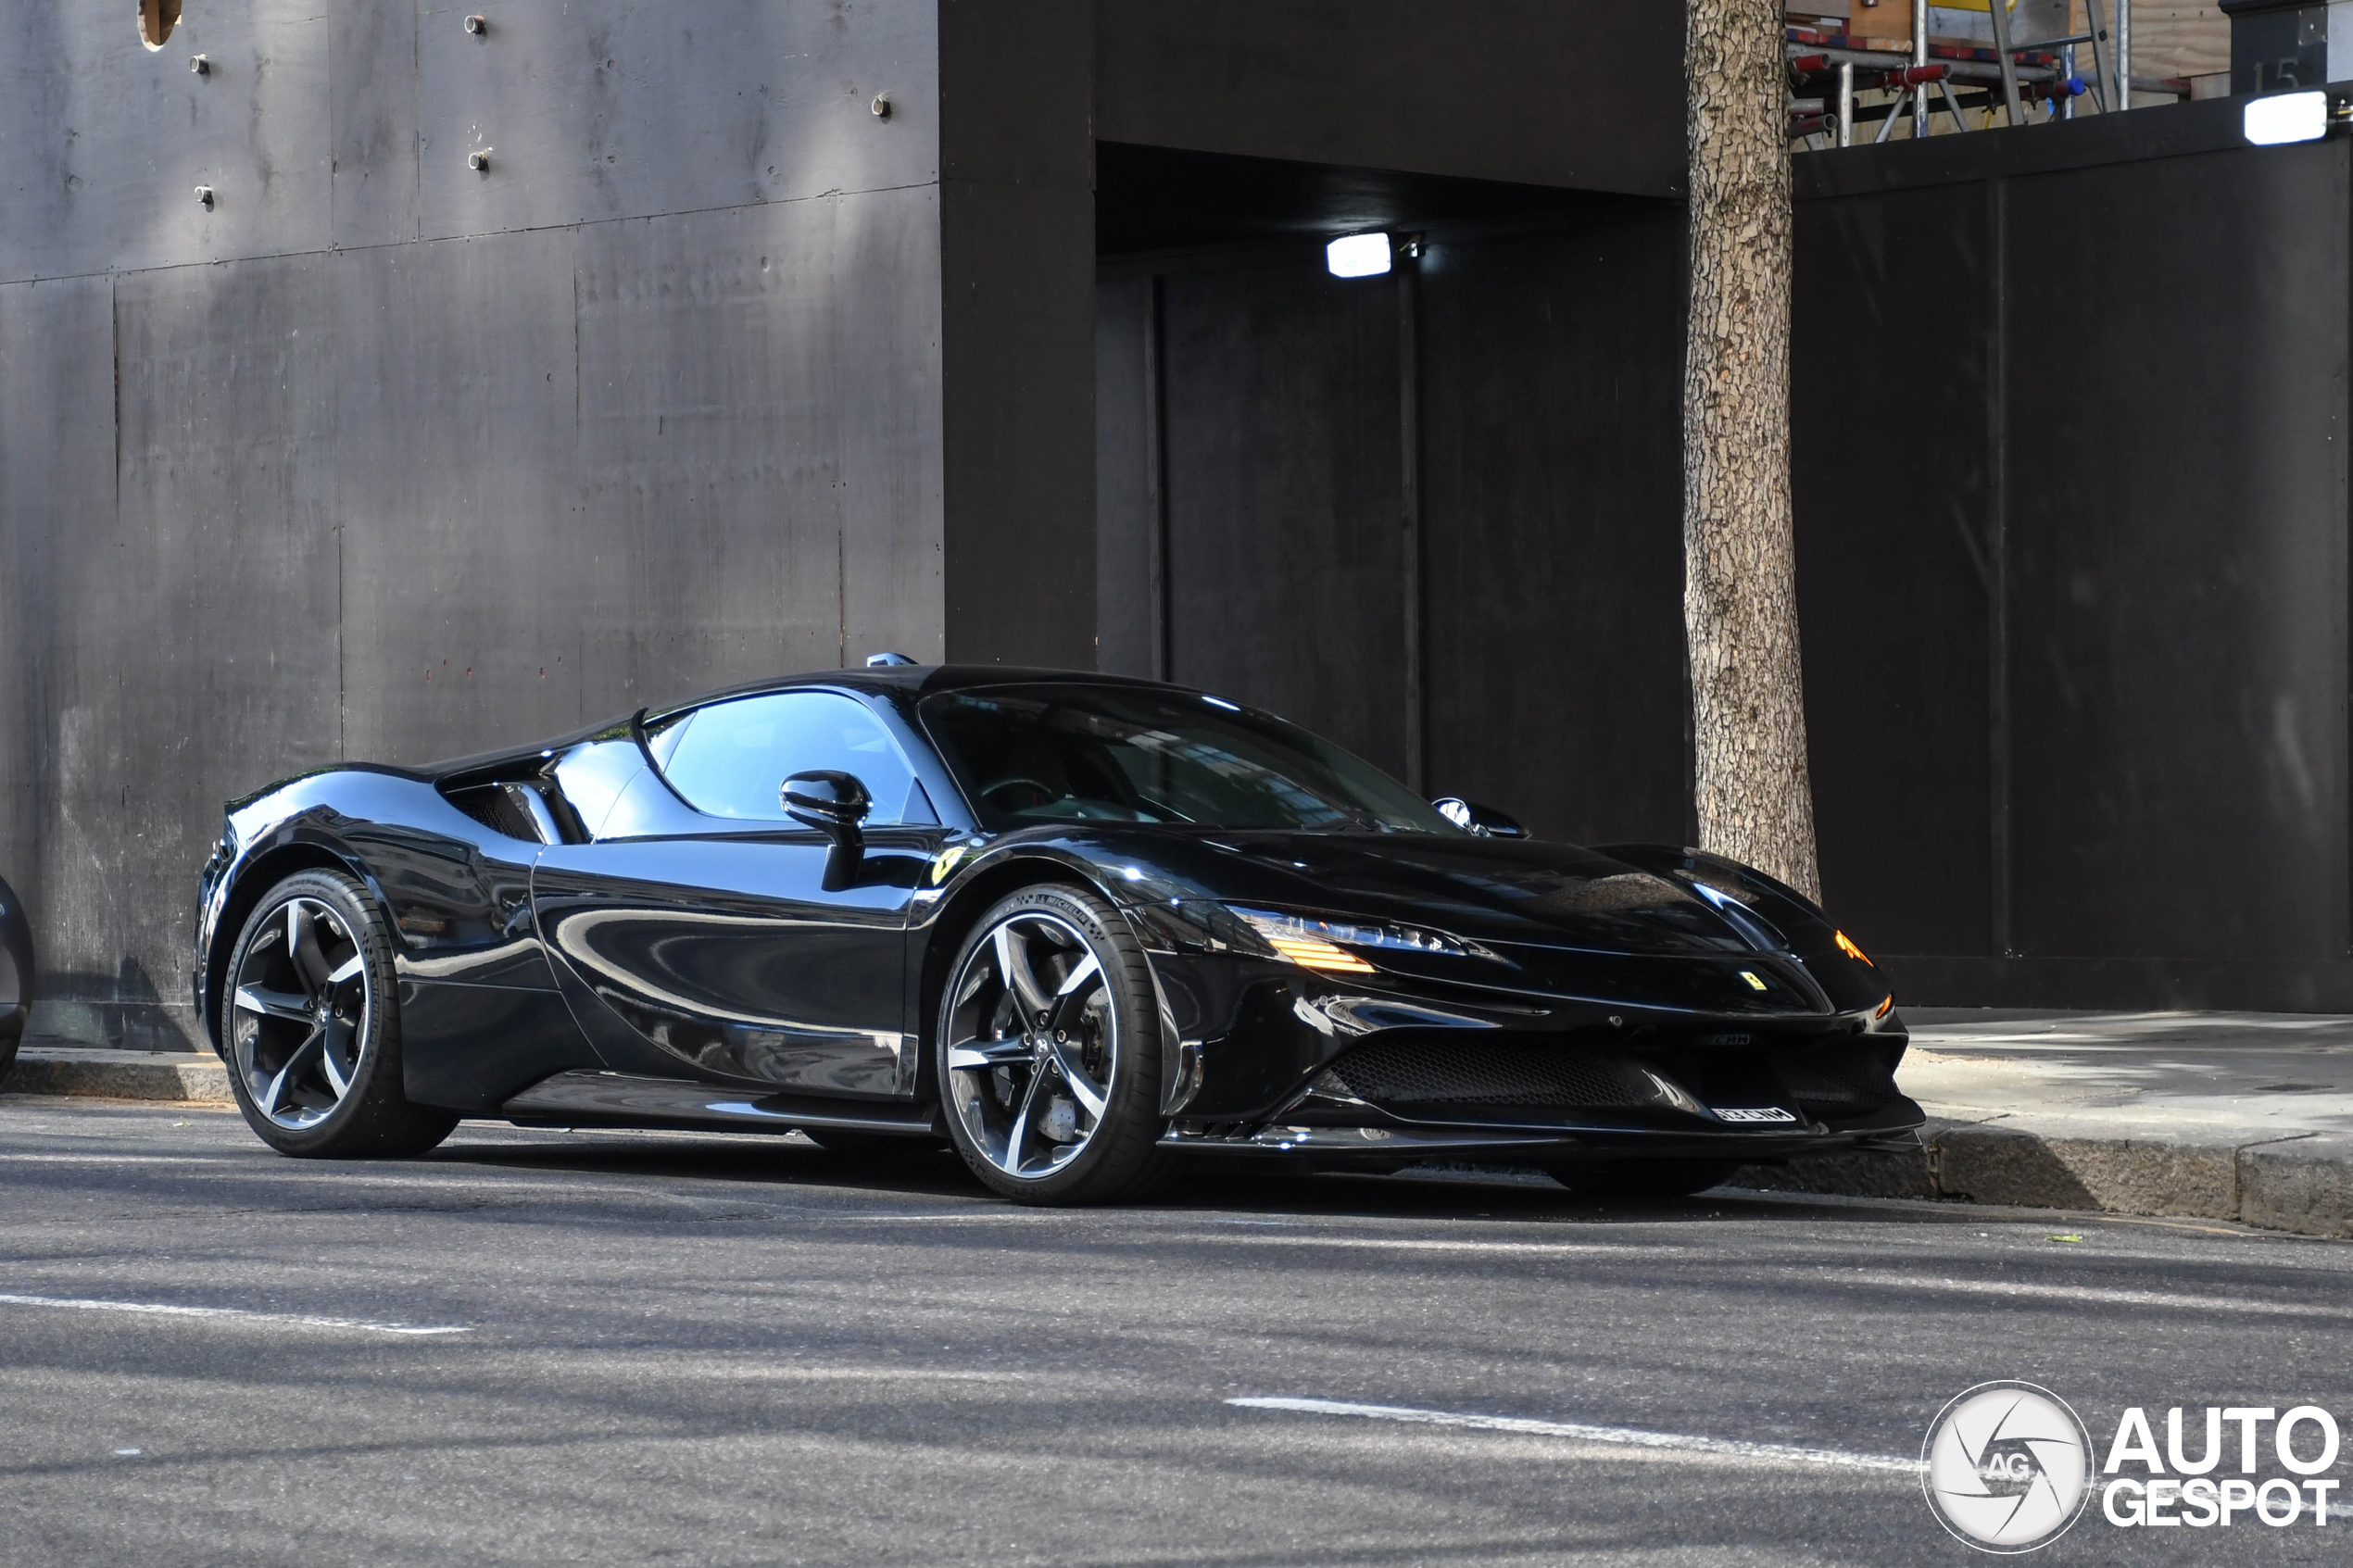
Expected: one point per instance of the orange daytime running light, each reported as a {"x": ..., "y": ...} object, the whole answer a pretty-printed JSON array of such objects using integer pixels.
[
  {"x": 1314, "y": 953},
  {"x": 1846, "y": 944},
  {"x": 1884, "y": 1006}
]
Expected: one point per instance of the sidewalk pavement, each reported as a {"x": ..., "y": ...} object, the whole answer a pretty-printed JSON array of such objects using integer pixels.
[
  {"x": 2213, "y": 1115},
  {"x": 2245, "y": 1117}
]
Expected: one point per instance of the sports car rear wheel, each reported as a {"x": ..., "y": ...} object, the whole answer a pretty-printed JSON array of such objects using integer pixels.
[
  {"x": 313, "y": 1030},
  {"x": 1049, "y": 1051}
]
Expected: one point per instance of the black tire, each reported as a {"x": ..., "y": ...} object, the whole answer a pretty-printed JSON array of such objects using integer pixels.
[
  {"x": 312, "y": 1031},
  {"x": 995, "y": 1076},
  {"x": 1645, "y": 1178}
]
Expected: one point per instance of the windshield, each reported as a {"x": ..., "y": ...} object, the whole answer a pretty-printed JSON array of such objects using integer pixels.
[{"x": 1027, "y": 755}]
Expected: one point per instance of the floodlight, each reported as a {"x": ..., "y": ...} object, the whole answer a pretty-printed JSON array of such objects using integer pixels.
[
  {"x": 2287, "y": 116},
  {"x": 1360, "y": 256}
]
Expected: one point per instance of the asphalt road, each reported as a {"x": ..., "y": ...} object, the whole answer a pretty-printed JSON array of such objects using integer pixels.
[{"x": 620, "y": 1348}]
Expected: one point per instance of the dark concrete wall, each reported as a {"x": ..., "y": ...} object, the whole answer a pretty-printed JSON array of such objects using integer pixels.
[
  {"x": 384, "y": 458},
  {"x": 1516, "y": 89},
  {"x": 1528, "y": 375},
  {"x": 2070, "y": 477},
  {"x": 713, "y": 373},
  {"x": 1018, "y": 243},
  {"x": 1551, "y": 373},
  {"x": 2072, "y": 485},
  {"x": 1283, "y": 481}
]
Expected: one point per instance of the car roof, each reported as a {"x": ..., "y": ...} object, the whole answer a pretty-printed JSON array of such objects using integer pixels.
[
  {"x": 919, "y": 679},
  {"x": 906, "y": 682}
]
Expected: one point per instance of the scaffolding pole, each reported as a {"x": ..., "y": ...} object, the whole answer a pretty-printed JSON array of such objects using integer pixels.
[
  {"x": 1999, "y": 11},
  {"x": 1920, "y": 57},
  {"x": 2123, "y": 53}
]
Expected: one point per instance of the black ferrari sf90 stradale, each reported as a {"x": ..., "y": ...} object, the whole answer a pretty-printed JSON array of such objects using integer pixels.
[{"x": 1081, "y": 926}]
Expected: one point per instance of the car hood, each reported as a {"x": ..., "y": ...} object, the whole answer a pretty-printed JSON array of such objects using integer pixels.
[
  {"x": 1646, "y": 925},
  {"x": 1517, "y": 891}
]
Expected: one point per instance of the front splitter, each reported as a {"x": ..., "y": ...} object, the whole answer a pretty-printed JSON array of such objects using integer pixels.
[{"x": 1533, "y": 1146}]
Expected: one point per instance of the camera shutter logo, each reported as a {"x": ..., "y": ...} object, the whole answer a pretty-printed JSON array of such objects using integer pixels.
[{"x": 2009, "y": 1467}]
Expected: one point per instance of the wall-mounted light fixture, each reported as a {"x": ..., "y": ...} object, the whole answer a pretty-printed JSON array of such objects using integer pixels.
[
  {"x": 204, "y": 197},
  {"x": 1357, "y": 255},
  {"x": 476, "y": 26},
  {"x": 2278, "y": 117},
  {"x": 882, "y": 106},
  {"x": 201, "y": 66},
  {"x": 479, "y": 160}
]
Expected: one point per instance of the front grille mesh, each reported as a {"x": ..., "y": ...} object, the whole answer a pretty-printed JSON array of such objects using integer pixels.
[
  {"x": 1826, "y": 1080},
  {"x": 1831, "y": 1087},
  {"x": 1411, "y": 1073}
]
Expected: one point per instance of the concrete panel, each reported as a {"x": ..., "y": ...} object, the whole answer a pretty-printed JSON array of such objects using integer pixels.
[
  {"x": 1582, "y": 94},
  {"x": 102, "y": 142},
  {"x": 2165, "y": 494},
  {"x": 587, "y": 469},
  {"x": 619, "y": 109},
  {"x": 467, "y": 601},
  {"x": 1895, "y": 561},
  {"x": 202, "y": 654},
  {"x": 2178, "y": 578},
  {"x": 891, "y": 394},
  {"x": 1126, "y": 537},
  {"x": 1285, "y": 496},
  {"x": 56, "y": 486},
  {"x": 373, "y": 75},
  {"x": 711, "y": 445},
  {"x": 1551, "y": 497},
  {"x": 1017, "y": 286},
  {"x": 1016, "y": 107}
]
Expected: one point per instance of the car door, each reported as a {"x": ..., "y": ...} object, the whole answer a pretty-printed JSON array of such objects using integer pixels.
[{"x": 697, "y": 911}]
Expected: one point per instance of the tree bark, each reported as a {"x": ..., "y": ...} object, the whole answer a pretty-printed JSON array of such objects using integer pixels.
[{"x": 1739, "y": 560}]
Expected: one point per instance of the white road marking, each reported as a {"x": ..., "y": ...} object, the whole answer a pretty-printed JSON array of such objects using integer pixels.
[
  {"x": 1631, "y": 1437},
  {"x": 657, "y": 1367},
  {"x": 2103, "y": 1294},
  {"x": 1022, "y": 1215},
  {"x": 1623, "y": 1249},
  {"x": 121, "y": 1158},
  {"x": 163, "y": 1310}
]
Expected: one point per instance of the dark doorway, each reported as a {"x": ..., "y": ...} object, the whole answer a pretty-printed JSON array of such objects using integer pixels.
[{"x": 1432, "y": 514}]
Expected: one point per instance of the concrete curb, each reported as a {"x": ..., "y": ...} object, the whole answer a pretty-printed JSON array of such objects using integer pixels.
[
  {"x": 119, "y": 1074},
  {"x": 2295, "y": 1182}
]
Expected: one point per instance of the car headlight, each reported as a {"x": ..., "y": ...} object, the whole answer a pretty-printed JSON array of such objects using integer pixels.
[{"x": 1317, "y": 942}]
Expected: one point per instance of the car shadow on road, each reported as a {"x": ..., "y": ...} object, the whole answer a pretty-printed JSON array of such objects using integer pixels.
[{"x": 933, "y": 1172}]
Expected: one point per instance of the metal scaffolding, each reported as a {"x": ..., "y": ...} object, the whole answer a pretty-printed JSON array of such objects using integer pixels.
[{"x": 1829, "y": 78}]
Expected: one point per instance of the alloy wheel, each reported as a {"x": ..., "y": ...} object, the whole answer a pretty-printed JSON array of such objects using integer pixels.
[
  {"x": 1033, "y": 1045},
  {"x": 301, "y": 1012}
]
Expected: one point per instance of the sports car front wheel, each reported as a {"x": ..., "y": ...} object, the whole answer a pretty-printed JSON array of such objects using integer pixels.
[
  {"x": 313, "y": 1030},
  {"x": 1049, "y": 1051}
]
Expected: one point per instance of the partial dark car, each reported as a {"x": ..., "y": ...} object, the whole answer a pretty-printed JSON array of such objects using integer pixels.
[
  {"x": 16, "y": 975},
  {"x": 1079, "y": 926}
]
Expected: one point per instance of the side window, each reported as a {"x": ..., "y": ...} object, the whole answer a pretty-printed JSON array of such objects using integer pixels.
[{"x": 731, "y": 760}]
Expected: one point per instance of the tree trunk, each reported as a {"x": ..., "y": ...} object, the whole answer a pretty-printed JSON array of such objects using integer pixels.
[{"x": 1740, "y": 563}]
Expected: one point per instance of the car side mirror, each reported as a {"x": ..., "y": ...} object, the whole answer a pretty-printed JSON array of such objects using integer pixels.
[
  {"x": 1481, "y": 821},
  {"x": 837, "y": 806}
]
